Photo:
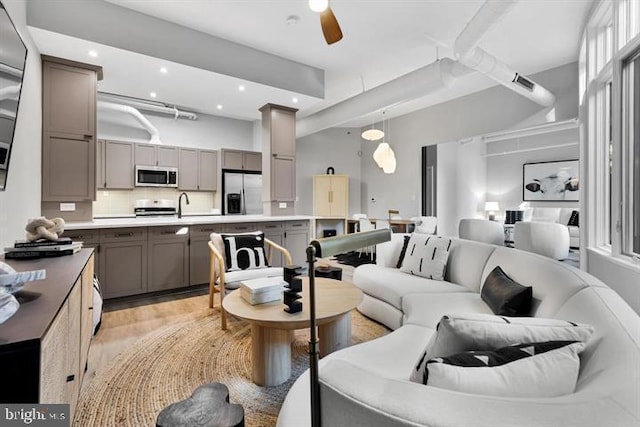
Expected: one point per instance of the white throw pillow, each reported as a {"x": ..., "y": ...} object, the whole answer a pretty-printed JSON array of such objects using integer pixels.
[
  {"x": 426, "y": 256},
  {"x": 465, "y": 332},
  {"x": 546, "y": 369}
]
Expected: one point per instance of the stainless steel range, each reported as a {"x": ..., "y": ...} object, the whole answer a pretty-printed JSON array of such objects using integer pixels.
[{"x": 148, "y": 207}]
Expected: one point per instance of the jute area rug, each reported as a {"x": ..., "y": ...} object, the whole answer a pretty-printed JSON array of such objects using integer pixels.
[{"x": 166, "y": 367}]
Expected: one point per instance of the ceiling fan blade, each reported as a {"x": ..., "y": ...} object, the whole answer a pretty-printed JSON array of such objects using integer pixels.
[{"x": 330, "y": 27}]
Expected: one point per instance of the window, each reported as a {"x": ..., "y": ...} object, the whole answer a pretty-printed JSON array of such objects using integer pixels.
[{"x": 631, "y": 122}]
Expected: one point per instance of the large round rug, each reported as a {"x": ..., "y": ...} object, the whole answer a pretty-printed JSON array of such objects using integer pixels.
[{"x": 166, "y": 367}]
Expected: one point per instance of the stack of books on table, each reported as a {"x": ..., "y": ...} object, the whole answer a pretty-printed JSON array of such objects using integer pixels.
[
  {"x": 258, "y": 291},
  {"x": 24, "y": 249}
]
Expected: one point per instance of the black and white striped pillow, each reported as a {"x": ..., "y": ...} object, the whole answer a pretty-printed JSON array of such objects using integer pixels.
[
  {"x": 426, "y": 256},
  {"x": 544, "y": 369},
  {"x": 575, "y": 219}
]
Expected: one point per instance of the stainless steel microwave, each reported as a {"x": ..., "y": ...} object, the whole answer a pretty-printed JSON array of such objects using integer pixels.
[{"x": 156, "y": 176}]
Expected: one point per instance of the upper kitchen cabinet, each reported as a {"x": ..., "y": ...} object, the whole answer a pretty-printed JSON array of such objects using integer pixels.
[
  {"x": 68, "y": 129},
  {"x": 241, "y": 160},
  {"x": 279, "y": 149},
  {"x": 156, "y": 155},
  {"x": 115, "y": 165},
  {"x": 198, "y": 170}
]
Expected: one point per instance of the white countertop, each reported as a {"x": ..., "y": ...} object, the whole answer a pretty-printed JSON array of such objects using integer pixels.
[{"x": 172, "y": 220}]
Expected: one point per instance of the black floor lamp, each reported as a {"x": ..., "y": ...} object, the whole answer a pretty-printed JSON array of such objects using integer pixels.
[{"x": 326, "y": 248}]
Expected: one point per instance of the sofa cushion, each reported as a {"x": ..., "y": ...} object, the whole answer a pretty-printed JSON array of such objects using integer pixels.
[
  {"x": 426, "y": 309},
  {"x": 464, "y": 332},
  {"x": 553, "y": 282},
  {"x": 391, "y": 285},
  {"x": 505, "y": 296},
  {"x": 426, "y": 256},
  {"x": 466, "y": 263},
  {"x": 545, "y": 369}
]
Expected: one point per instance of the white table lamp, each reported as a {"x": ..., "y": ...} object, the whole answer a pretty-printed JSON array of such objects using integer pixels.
[{"x": 491, "y": 208}]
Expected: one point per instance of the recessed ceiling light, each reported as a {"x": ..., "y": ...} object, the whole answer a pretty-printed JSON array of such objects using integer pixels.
[
  {"x": 318, "y": 5},
  {"x": 219, "y": 106},
  {"x": 153, "y": 94},
  {"x": 93, "y": 54},
  {"x": 164, "y": 70},
  {"x": 292, "y": 19},
  {"x": 294, "y": 100},
  {"x": 241, "y": 88}
]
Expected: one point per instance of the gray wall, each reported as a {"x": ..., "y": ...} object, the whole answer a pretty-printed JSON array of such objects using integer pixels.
[
  {"x": 487, "y": 111},
  {"x": 208, "y": 132},
  {"x": 21, "y": 199},
  {"x": 337, "y": 147},
  {"x": 504, "y": 172}
]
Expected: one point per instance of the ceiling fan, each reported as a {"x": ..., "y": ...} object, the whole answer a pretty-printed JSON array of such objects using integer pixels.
[{"x": 328, "y": 22}]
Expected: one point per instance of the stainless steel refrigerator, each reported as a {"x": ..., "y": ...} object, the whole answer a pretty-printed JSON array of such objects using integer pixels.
[{"x": 242, "y": 193}]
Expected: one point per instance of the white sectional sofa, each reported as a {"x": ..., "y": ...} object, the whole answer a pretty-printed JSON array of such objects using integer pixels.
[
  {"x": 557, "y": 215},
  {"x": 368, "y": 384}
]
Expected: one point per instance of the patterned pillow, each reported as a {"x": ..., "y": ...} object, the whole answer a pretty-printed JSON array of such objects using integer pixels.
[
  {"x": 244, "y": 251},
  {"x": 575, "y": 219},
  {"x": 505, "y": 296},
  {"x": 403, "y": 252},
  {"x": 544, "y": 369},
  {"x": 465, "y": 332},
  {"x": 426, "y": 256}
]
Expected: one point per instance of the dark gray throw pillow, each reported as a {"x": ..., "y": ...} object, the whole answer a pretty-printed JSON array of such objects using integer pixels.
[{"x": 504, "y": 296}]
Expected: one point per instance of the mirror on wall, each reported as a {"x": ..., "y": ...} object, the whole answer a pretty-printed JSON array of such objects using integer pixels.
[{"x": 13, "y": 54}]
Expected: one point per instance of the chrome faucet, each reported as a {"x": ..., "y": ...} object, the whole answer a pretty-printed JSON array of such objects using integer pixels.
[{"x": 180, "y": 203}]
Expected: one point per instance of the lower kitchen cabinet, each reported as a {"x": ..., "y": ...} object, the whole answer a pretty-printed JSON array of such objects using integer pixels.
[
  {"x": 274, "y": 231},
  {"x": 199, "y": 252},
  {"x": 296, "y": 240},
  {"x": 168, "y": 258},
  {"x": 90, "y": 238},
  {"x": 123, "y": 261}
]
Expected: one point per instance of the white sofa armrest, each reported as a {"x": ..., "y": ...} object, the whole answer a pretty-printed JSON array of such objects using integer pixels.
[
  {"x": 387, "y": 253},
  {"x": 354, "y": 397}
]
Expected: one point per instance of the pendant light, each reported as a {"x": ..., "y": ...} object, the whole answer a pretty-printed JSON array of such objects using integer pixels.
[
  {"x": 372, "y": 134},
  {"x": 384, "y": 156}
]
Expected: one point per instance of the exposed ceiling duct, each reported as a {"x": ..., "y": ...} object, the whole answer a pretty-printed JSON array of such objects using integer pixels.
[
  {"x": 148, "y": 106},
  {"x": 438, "y": 75},
  {"x": 469, "y": 54},
  {"x": 126, "y": 109}
]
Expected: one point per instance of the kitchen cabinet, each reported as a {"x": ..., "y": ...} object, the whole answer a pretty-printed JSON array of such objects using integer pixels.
[
  {"x": 46, "y": 342},
  {"x": 250, "y": 161},
  {"x": 123, "y": 261},
  {"x": 296, "y": 240},
  {"x": 279, "y": 149},
  {"x": 156, "y": 155},
  {"x": 115, "y": 165},
  {"x": 331, "y": 196},
  {"x": 198, "y": 170},
  {"x": 68, "y": 130},
  {"x": 199, "y": 252},
  {"x": 274, "y": 231},
  {"x": 168, "y": 258},
  {"x": 90, "y": 239}
]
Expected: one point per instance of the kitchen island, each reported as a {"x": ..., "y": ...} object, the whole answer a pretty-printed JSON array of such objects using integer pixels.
[{"x": 137, "y": 255}]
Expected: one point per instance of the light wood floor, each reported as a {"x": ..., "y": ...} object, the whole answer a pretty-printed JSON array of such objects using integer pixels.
[{"x": 125, "y": 321}]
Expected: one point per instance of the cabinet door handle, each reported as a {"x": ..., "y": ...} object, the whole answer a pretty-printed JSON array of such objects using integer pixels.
[
  {"x": 87, "y": 136},
  {"x": 70, "y": 378},
  {"x": 123, "y": 234}
]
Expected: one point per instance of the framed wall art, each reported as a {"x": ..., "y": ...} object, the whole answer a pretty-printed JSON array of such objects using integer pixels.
[{"x": 556, "y": 181}]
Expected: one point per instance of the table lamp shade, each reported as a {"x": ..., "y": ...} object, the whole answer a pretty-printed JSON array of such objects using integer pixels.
[{"x": 491, "y": 206}]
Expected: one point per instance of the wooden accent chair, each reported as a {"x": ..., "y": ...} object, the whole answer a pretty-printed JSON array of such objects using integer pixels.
[{"x": 221, "y": 280}]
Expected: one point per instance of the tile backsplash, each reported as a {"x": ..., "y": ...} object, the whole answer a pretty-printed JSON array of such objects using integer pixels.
[{"x": 121, "y": 202}]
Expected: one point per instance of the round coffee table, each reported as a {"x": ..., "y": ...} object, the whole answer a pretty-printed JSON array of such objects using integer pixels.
[{"x": 272, "y": 328}]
